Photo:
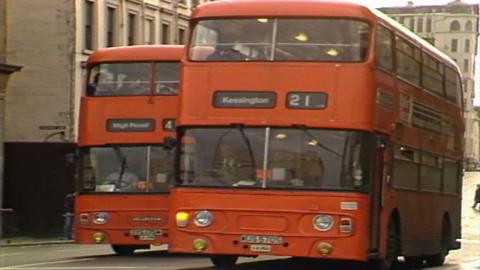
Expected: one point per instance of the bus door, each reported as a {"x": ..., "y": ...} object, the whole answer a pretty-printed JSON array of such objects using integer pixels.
[{"x": 382, "y": 175}]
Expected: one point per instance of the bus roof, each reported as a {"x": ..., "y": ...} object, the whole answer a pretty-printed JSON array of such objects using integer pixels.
[
  {"x": 306, "y": 8},
  {"x": 137, "y": 53},
  {"x": 254, "y": 8}
]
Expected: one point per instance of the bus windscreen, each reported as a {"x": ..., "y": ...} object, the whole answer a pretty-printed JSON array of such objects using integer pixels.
[
  {"x": 280, "y": 39},
  {"x": 137, "y": 169},
  {"x": 290, "y": 158}
]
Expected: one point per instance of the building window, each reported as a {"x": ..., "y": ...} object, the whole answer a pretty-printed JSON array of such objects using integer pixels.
[
  {"x": 465, "y": 65},
  {"x": 149, "y": 31},
  {"x": 454, "y": 45},
  {"x": 429, "y": 25},
  {"x": 402, "y": 21},
  {"x": 420, "y": 25},
  {"x": 455, "y": 26},
  {"x": 88, "y": 25},
  {"x": 181, "y": 36},
  {"x": 468, "y": 26},
  {"x": 132, "y": 28},
  {"x": 467, "y": 45},
  {"x": 111, "y": 29},
  {"x": 412, "y": 24},
  {"x": 165, "y": 33}
]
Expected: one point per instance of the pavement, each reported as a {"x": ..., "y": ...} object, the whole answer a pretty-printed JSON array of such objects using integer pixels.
[{"x": 25, "y": 241}]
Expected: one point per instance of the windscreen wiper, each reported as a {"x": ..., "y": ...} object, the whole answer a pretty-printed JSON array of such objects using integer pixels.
[
  {"x": 250, "y": 149},
  {"x": 123, "y": 165}
]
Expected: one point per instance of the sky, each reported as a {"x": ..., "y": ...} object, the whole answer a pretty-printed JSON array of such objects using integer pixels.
[{"x": 402, "y": 3}]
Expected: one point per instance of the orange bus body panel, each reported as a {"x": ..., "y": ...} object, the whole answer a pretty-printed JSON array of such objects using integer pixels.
[
  {"x": 354, "y": 112},
  {"x": 287, "y": 214},
  {"x": 356, "y": 93},
  {"x": 106, "y": 108},
  {"x": 127, "y": 212}
]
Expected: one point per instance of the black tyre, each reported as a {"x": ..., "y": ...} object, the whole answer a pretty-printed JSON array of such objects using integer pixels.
[
  {"x": 439, "y": 258},
  {"x": 414, "y": 261},
  {"x": 124, "y": 249},
  {"x": 393, "y": 249},
  {"x": 224, "y": 261}
]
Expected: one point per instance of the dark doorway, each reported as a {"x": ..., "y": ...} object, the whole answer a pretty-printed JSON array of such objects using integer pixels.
[{"x": 37, "y": 178}]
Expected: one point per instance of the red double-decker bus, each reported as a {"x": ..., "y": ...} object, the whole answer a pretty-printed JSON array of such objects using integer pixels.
[
  {"x": 316, "y": 129},
  {"x": 127, "y": 114}
]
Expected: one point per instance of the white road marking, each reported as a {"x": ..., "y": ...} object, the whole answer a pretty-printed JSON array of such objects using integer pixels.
[
  {"x": 11, "y": 254},
  {"x": 45, "y": 263},
  {"x": 473, "y": 241},
  {"x": 472, "y": 264}
]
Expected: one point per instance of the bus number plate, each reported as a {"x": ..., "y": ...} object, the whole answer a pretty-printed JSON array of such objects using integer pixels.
[
  {"x": 260, "y": 248},
  {"x": 145, "y": 234},
  {"x": 261, "y": 239}
]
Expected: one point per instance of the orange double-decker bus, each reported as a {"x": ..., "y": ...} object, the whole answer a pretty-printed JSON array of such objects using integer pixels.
[
  {"x": 127, "y": 114},
  {"x": 315, "y": 129}
]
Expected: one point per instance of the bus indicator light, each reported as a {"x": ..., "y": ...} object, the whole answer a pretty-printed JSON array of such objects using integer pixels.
[
  {"x": 346, "y": 225},
  {"x": 182, "y": 219},
  {"x": 84, "y": 219}
]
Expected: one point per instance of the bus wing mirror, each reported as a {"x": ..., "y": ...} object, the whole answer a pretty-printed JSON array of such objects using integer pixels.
[{"x": 169, "y": 143}]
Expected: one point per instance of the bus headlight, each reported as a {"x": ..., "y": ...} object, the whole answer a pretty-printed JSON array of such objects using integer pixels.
[
  {"x": 181, "y": 219},
  {"x": 323, "y": 222},
  {"x": 101, "y": 218},
  {"x": 203, "y": 218}
]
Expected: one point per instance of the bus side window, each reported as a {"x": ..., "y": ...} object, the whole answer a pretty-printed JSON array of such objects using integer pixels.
[{"x": 384, "y": 49}]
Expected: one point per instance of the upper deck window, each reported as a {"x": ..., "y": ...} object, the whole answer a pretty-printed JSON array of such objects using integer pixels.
[
  {"x": 320, "y": 40},
  {"x": 133, "y": 79}
]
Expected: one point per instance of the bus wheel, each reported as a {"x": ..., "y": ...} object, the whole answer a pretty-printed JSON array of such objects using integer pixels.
[
  {"x": 224, "y": 261},
  {"x": 124, "y": 249},
  {"x": 393, "y": 248},
  {"x": 439, "y": 258},
  {"x": 414, "y": 261}
]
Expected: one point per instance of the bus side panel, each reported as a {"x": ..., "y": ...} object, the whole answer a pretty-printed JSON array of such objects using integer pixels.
[{"x": 386, "y": 103}]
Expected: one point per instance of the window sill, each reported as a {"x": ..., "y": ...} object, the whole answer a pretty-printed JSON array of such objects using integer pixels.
[{"x": 87, "y": 52}]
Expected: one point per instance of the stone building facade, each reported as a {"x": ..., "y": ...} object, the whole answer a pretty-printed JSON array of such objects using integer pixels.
[
  {"x": 52, "y": 39},
  {"x": 5, "y": 72}
]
